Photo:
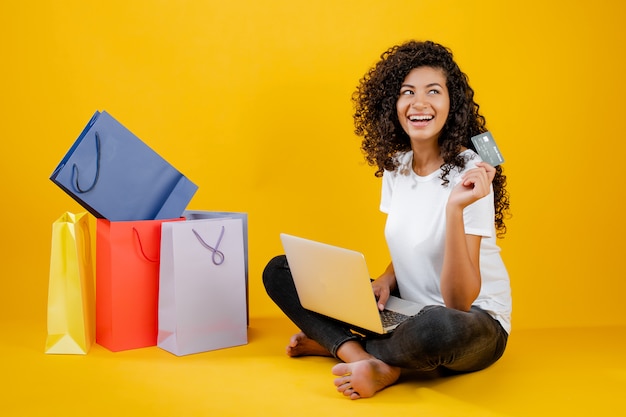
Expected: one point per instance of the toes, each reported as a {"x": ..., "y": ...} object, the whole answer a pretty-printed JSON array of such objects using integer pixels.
[
  {"x": 342, "y": 384},
  {"x": 350, "y": 392},
  {"x": 295, "y": 339},
  {"x": 341, "y": 369}
]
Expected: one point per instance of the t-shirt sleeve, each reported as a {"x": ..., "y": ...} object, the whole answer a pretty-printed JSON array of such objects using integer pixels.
[
  {"x": 479, "y": 217},
  {"x": 386, "y": 192}
]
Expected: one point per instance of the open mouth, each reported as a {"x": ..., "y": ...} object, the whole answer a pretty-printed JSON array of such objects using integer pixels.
[{"x": 421, "y": 118}]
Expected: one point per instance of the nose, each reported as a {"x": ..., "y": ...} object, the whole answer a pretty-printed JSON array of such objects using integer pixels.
[{"x": 418, "y": 101}]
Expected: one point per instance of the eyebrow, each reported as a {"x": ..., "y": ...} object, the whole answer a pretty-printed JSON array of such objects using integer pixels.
[{"x": 427, "y": 86}]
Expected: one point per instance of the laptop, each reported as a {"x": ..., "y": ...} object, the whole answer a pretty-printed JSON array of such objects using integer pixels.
[{"x": 335, "y": 282}]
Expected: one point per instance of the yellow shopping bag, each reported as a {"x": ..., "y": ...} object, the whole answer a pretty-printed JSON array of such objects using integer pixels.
[{"x": 71, "y": 288}]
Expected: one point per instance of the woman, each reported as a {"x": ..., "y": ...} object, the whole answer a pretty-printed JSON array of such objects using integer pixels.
[{"x": 416, "y": 113}]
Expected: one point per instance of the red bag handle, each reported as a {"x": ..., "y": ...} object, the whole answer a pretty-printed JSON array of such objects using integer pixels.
[{"x": 141, "y": 247}]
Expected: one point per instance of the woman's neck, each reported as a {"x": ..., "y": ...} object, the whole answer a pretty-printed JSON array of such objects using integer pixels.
[{"x": 426, "y": 160}]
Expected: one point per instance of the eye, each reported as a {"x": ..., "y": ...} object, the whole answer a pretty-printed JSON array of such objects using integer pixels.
[
  {"x": 406, "y": 92},
  {"x": 434, "y": 91}
]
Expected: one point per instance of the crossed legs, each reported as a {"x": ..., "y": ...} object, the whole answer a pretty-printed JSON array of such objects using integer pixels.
[{"x": 437, "y": 337}]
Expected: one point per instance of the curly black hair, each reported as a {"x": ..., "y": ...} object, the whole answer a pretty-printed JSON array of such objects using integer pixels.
[{"x": 376, "y": 119}]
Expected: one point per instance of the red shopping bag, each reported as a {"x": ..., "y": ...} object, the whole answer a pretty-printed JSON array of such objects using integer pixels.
[{"x": 127, "y": 283}]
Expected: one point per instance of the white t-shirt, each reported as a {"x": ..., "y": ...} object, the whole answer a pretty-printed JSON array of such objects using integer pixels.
[{"x": 415, "y": 233}]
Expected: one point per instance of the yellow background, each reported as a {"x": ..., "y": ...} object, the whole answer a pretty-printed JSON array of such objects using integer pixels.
[{"x": 251, "y": 100}]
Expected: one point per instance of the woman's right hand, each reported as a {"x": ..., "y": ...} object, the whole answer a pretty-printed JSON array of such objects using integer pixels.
[{"x": 383, "y": 286}]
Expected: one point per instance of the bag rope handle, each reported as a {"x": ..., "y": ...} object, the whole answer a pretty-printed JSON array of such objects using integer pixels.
[
  {"x": 75, "y": 173},
  {"x": 141, "y": 247},
  {"x": 217, "y": 256}
]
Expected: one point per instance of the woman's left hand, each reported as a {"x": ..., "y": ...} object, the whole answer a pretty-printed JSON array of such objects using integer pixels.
[{"x": 474, "y": 185}]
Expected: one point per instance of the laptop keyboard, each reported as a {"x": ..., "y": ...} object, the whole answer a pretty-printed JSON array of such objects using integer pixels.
[{"x": 391, "y": 318}]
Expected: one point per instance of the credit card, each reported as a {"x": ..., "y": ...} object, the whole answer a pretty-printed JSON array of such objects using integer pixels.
[{"x": 487, "y": 149}]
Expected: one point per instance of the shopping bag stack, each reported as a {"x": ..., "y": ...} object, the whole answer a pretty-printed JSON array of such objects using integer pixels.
[{"x": 134, "y": 194}]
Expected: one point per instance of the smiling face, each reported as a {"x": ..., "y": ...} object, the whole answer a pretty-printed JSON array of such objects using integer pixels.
[{"x": 423, "y": 104}]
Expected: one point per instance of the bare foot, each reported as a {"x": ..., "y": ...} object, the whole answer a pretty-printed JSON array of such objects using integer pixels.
[
  {"x": 301, "y": 345},
  {"x": 364, "y": 378}
]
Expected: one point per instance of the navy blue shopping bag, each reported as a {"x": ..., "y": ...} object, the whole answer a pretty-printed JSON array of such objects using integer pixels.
[{"x": 116, "y": 176}]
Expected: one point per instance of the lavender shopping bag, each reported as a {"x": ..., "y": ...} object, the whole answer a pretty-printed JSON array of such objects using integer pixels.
[
  {"x": 201, "y": 214},
  {"x": 202, "y": 286}
]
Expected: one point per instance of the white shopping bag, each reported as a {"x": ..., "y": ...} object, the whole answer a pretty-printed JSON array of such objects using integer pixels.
[
  {"x": 202, "y": 286},
  {"x": 200, "y": 215}
]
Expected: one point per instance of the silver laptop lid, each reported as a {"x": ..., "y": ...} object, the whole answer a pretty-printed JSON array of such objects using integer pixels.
[{"x": 332, "y": 281}]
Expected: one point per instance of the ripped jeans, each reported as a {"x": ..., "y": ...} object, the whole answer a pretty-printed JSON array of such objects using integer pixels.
[{"x": 438, "y": 338}]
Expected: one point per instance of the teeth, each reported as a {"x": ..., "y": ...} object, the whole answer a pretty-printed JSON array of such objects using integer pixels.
[{"x": 419, "y": 118}]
